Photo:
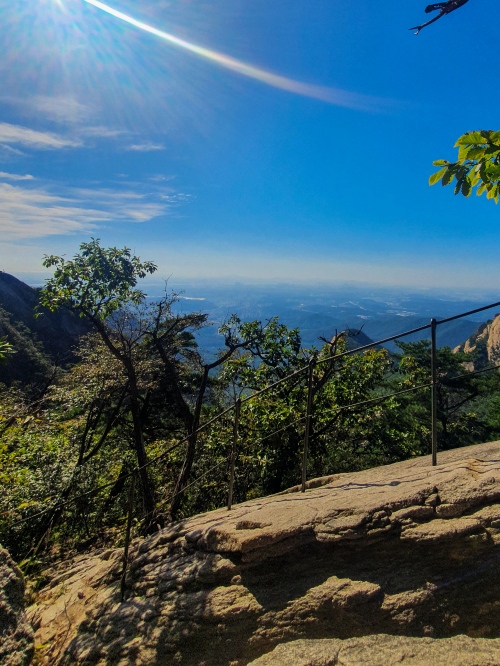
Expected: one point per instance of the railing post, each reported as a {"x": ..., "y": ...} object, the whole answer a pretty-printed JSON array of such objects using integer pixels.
[
  {"x": 309, "y": 407},
  {"x": 433, "y": 392},
  {"x": 128, "y": 529},
  {"x": 237, "y": 409}
]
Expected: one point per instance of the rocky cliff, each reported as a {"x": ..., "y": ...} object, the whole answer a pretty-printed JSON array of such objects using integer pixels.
[
  {"x": 484, "y": 344},
  {"x": 402, "y": 550}
]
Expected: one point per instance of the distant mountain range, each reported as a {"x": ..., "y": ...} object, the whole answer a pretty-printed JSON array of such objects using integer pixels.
[{"x": 318, "y": 312}]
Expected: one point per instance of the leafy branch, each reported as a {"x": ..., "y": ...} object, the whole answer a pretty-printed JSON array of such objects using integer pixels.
[{"x": 478, "y": 165}]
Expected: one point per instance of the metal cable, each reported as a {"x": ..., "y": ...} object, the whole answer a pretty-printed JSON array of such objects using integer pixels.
[
  {"x": 267, "y": 388},
  {"x": 384, "y": 397},
  {"x": 195, "y": 481},
  {"x": 473, "y": 372}
]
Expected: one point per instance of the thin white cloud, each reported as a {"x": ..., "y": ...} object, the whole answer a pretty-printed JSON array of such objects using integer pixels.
[
  {"x": 160, "y": 178},
  {"x": 61, "y": 108},
  {"x": 101, "y": 132},
  {"x": 146, "y": 147},
  {"x": 27, "y": 212},
  {"x": 64, "y": 110},
  {"x": 15, "y": 176},
  {"x": 145, "y": 212},
  {"x": 108, "y": 196},
  {"x": 177, "y": 197},
  {"x": 15, "y": 134},
  {"x": 9, "y": 151}
]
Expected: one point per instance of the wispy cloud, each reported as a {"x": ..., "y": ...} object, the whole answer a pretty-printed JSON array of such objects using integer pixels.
[
  {"x": 15, "y": 176},
  {"x": 66, "y": 111},
  {"x": 18, "y": 135},
  {"x": 177, "y": 197},
  {"x": 101, "y": 132},
  {"x": 160, "y": 178},
  {"x": 27, "y": 212},
  {"x": 146, "y": 147},
  {"x": 10, "y": 152},
  {"x": 61, "y": 108}
]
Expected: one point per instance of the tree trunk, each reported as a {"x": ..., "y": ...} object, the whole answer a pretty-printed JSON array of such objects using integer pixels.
[
  {"x": 148, "y": 502},
  {"x": 191, "y": 448}
]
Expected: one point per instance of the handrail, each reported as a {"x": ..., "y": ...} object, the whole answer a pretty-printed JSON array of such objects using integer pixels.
[{"x": 318, "y": 361}]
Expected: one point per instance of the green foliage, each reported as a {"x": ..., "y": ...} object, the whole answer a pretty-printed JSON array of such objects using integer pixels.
[
  {"x": 478, "y": 165},
  {"x": 96, "y": 282},
  {"x": 459, "y": 394},
  {"x": 100, "y": 284},
  {"x": 79, "y": 439},
  {"x": 342, "y": 438},
  {"x": 34, "y": 457},
  {"x": 24, "y": 359},
  {"x": 6, "y": 350}
]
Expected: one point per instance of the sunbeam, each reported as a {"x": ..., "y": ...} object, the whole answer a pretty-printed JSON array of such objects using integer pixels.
[{"x": 330, "y": 95}]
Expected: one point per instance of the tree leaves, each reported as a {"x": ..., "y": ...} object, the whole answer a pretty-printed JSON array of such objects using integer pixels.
[
  {"x": 478, "y": 165},
  {"x": 96, "y": 282}
]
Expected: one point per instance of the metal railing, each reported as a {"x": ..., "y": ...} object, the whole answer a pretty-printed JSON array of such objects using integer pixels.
[{"x": 308, "y": 369}]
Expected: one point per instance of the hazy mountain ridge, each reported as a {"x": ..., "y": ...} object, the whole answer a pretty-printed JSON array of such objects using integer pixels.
[{"x": 321, "y": 312}]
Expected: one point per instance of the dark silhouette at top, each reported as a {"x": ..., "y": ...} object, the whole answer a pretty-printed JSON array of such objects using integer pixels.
[{"x": 443, "y": 7}]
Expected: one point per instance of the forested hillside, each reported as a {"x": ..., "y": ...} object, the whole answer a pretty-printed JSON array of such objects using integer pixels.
[
  {"x": 40, "y": 343},
  {"x": 120, "y": 428}
]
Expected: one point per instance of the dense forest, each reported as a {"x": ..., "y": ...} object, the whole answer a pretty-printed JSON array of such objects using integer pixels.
[{"x": 132, "y": 420}]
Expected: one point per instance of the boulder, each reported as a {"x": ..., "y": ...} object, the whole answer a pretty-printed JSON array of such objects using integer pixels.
[
  {"x": 16, "y": 635},
  {"x": 407, "y": 550}
]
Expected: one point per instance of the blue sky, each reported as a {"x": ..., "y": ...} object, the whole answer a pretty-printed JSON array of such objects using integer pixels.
[{"x": 109, "y": 131}]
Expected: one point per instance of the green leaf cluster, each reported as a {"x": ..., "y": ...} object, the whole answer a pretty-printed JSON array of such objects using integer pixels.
[
  {"x": 96, "y": 282},
  {"x": 477, "y": 166}
]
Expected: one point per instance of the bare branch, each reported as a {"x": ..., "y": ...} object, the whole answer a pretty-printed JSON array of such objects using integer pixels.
[{"x": 443, "y": 7}]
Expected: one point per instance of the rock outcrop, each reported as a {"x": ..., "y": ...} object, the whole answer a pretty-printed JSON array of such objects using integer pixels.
[
  {"x": 484, "y": 343},
  {"x": 385, "y": 650},
  {"x": 16, "y": 636},
  {"x": 407, "y": 550}
]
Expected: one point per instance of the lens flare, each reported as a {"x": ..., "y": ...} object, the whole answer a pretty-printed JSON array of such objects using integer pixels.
[{"x": 334, "y": 96}]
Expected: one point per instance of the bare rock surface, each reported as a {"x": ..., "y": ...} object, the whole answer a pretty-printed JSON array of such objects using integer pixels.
[
  {"x": 485, "y": 342},
  {"x": 16, "y": 636},
  {"x": 406, "y": 549},
  {"x": 383, "y": 650}
]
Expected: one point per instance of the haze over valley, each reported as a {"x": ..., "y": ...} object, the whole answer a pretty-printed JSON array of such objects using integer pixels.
[{"x": 320, "y": 310}]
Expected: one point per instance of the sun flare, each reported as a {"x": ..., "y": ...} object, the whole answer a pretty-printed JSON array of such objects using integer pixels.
[{"x": 326, "y": 94}]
